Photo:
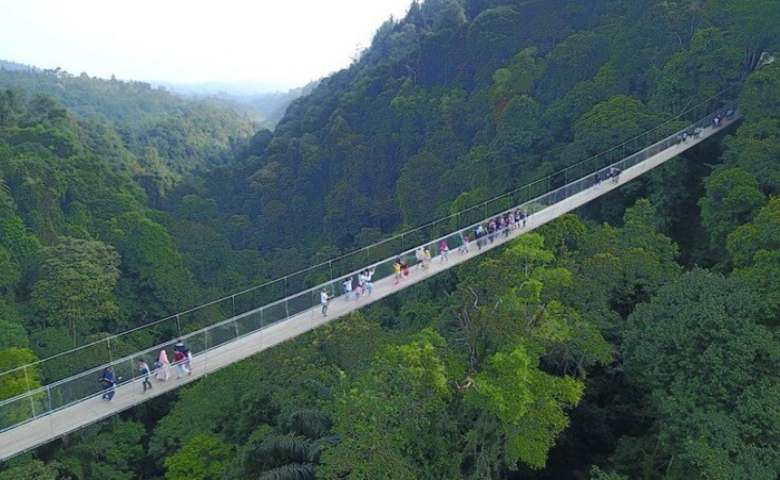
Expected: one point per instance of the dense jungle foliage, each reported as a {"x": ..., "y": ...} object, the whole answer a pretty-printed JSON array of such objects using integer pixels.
[{"x": 637, "y": 339}]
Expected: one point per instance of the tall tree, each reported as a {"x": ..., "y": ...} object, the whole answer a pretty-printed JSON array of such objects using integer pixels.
[{"x": 76, "y": 286}]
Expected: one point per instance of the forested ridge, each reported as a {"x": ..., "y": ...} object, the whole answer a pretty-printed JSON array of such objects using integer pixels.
[{"x": 637, "y": 339}]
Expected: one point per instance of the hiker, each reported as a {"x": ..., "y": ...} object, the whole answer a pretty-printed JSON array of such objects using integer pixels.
[
  {"x": 108, "y": 382},
  {"x": 324, "y": 299},
  {"x": 397, "y": 270},
  {"x": 145, "y": 374}
]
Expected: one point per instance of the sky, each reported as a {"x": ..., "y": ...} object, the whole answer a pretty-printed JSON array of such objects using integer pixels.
[{"x": 276, "y": 44}]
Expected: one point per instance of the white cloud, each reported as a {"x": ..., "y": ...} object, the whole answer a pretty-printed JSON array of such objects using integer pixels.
[{"x": 283, "y": 44}]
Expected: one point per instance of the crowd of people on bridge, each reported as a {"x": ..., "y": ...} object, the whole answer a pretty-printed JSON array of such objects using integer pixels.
[
  {"x": 361, "y": 284},
  {"x": 486, "y": 233},
  {"x": 182, "y": 362},
  {"x": 717, "y": 121},
  {"x": 352, "y": 288}
]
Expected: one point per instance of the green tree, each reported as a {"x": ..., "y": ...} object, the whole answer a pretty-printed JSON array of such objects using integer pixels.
[
  {"x": 12, "y": 334},
  {"x": 417, "y": 195},
  {"x": 732, "y": 197},
  {"x": 154, "y": 274},
  {"x": 528, "y": 403},
  {"x": 709, "y": 368},
  {"x": 760, "y": 97},
  {"x": 115, "y": 453},
  {"x": 611, "y": 122},
  {"x": 31, "y": 470},
  {"x": 21, "y": 380},
  {"x": 203, "y": 457},
  {"x": 762, "y": 234},
  {"x": 763, "y": 276},
  {"x": 392, "y": 423},
  {"x": 76, "y": 284}
]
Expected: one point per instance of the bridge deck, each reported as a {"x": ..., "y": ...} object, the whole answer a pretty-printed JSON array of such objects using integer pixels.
[{"x": 58, "y": 423}]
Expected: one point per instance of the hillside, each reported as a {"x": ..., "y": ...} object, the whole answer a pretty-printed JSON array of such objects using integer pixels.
[
  {"x": 171, "y": 135},
  {"x": 637, "y": 339}
]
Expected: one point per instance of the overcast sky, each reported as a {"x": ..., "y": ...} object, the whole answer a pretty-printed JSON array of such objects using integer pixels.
[{"x": 279, "y": 44}]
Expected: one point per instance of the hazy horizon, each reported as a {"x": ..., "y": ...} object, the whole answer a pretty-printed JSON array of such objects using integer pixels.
[{"x": 260, "y": 47}]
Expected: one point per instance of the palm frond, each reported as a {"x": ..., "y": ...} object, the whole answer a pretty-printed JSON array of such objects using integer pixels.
[
  {"x": 308, "y": 422},
  {"x": 293, "y": 471},
  {"x": 281, "y": 449}
]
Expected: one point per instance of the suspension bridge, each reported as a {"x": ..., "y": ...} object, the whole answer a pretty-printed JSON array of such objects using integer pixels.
[{"x": 63, "y": 394}]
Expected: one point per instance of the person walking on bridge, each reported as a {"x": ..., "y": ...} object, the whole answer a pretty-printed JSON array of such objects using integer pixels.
[
  {"x": 397, "y": 270},
  {"x": 145, "y": 374},
  {"x": 366, "y": 279},
  {"x": 108, "y": 382},
  {"x": 346, "y": 288},
  {"x": 444, "y": 251},
  {"x": 163, "y": 365},
  {"x": 185, "y": 362},
  {"x": 324, "y": 299},
  {"x": 178, "y": 360}
]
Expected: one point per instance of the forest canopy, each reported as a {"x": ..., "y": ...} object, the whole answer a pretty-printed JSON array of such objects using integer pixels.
[{"x": 637, "y": 338}]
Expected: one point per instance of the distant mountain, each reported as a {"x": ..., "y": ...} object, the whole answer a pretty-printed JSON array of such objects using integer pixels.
[
  {"x": 262, "y": 103},
  {"x": 264, "y": 107},
  {"x": 13, "y": 66},
  {"x": 167, "y": 135}
]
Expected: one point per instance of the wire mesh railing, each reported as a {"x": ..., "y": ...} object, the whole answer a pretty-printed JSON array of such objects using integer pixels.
[{"x": 72, "y": 376}]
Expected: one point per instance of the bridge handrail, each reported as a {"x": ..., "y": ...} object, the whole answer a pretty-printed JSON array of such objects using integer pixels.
[
  {"x": 129, "y": 359},
  {"x": 394, "y": 237},
  {"x": 89, "y": 372}
]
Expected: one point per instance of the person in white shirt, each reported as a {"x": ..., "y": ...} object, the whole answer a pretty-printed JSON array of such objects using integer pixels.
[{"x": 324, "y": 299}]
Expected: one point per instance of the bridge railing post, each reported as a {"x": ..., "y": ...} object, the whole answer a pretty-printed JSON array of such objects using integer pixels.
[
  {"x": 29, "y": 388},
  {"x": 48, "y": 397}
]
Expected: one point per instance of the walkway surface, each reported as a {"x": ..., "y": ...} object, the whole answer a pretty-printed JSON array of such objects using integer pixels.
[{"x": 56, "y": 424}]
